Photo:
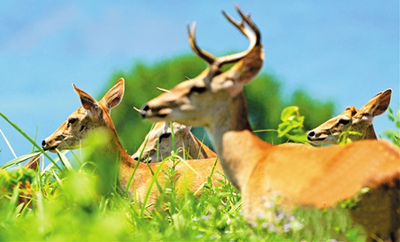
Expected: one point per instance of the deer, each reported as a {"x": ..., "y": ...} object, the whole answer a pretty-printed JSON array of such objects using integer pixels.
[
  {"x": 352, "y": 119},
  {"x": 359, "y": 121},
  {"x": 93, "y": 118},
  {"x": 158, "y": 144},
  {"x": 299, "y": 175},
  {"x": 25, "y": 189}
]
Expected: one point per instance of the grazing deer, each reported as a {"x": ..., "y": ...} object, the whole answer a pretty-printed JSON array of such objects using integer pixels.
[
  {"x": 94, "y": 118},
  {"x": 357, "y": 120},
  {"x": 302, "y": 176},
  {"x": 158, "y": 144}
]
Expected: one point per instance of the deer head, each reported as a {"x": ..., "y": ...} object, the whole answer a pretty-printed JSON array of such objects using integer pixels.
[
  {"x": 88, "y": 118},
  {"x": 161, "y": 137},
  {"x": 356, "y": 120},
  {"x": 196, "y": 101}
]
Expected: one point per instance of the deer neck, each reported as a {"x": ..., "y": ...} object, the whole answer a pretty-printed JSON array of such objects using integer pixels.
[
  {"x": 369, "y": 133},
  {"x": 238, "y": 149},
  {"x": 107, "y": 145},
  {"x": 115, "y": 164}
]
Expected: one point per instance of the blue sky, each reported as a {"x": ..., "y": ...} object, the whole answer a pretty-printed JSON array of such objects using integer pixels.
[{"x": 345, "y": 51}]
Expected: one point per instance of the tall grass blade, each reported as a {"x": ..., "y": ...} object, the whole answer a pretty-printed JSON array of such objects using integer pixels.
[
  {"x": 153, "y": 180},
  {"x": 8, "y": 144},
  {"x": 29, "y": 139},
  {"x": 36, "y": 131},
  {"x": 64, "y": 160},
  {"x": 49, "y": 166},
  {"x": 20, "y": 159}
]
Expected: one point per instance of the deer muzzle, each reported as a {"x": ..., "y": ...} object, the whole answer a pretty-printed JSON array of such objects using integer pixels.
[{"x": 154, "y": 114}]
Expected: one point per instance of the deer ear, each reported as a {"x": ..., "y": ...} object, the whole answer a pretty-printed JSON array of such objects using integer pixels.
[
  {"x": 378, "y": 104},
  {"x": 250, "y": 66},
  {"x": 88, "y": 102},
  {"x": 114, "y": 96}
]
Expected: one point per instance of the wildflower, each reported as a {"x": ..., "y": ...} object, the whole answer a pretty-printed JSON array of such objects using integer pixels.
[
  {"x": 280, "y": 216},
  {"x": 272, "y": 227},
  {"x": 286, "y": 227}
]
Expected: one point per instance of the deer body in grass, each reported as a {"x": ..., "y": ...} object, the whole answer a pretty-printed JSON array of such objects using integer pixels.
[
  {"x": 158, "y": 144},
  {"x": 359, "y": 121},
  {"x": 93, "y": 118},
  {"x": 302, "y": 176}
]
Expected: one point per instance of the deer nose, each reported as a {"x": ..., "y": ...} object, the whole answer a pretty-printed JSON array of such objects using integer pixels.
[
  {"x": 144, "y": 109},
  {"x": 311, "y": 135},
  {"x": 44, "y": 144}
]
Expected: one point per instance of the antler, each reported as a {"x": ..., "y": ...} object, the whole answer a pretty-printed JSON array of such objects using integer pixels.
[{"x": 254, "y": 36}]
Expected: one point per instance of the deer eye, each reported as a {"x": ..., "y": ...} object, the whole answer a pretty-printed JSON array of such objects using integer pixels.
[
  {"x": 71, "y": 120},
  {"x": 164, "y": 136},
  {"x": 343, "y": 121},
  {"x": 198, "y": 90}
]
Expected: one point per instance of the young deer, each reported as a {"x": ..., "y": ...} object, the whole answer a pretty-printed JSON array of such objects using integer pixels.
[
  {"x": 302, "y": 176},
  {"x": 158, "y": 144},
  {"x": 357, "y": 120},
  {"x": 93, "y": 118}
]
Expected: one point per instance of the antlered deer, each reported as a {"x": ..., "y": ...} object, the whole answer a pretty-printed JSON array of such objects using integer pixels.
[
  {"x": 357, "y": 120},
  {"x": 302, "y": 176},
  {"x": 158, "y": 144},
  {"x": 93, "y": 118}
]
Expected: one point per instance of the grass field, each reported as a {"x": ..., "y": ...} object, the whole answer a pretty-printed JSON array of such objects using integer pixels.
[{"x": 66, "y": 202}]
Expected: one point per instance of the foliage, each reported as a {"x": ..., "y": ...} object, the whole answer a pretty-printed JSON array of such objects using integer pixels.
[
  {"x": 344, "y": 136},
  {"x": 292, "y": 125},
  {"x": 73, "y": 209},
  {"x": 394, "y": 135},
  {"x": 315, "y": 111}
]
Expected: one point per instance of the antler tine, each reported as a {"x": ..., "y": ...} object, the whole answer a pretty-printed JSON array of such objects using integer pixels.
[
  {"x": 137, "y": 110},
  {"x": 238, "y": 25},
  {"x": 209, "y": 58},
  {"x": 162, "y": 89},
  {"x": 251, "y": 24},
  {"x": 254, "y": 37}
]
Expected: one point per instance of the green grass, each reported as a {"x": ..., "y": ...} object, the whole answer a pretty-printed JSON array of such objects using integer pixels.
[{"x": 68, "y": 204}]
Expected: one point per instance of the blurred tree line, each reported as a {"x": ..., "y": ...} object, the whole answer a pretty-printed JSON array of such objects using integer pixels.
[{"x": 264, "y": 99}]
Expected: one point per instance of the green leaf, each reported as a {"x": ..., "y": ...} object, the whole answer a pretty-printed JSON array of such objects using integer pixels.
[{"x": 289, "y": 112}]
